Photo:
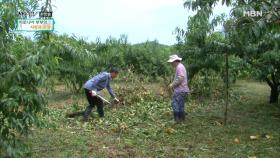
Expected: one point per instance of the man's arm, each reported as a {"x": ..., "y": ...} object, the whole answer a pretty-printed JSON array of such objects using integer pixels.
[
  {"x": 177, "y": 81},
  {"x": 108, "y": 87}
]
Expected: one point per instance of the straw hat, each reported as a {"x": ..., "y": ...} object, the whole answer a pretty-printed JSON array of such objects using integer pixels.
[{"x": 173, "y": 58}]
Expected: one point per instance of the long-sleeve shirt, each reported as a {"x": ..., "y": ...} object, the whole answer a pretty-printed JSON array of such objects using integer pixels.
[{"x": 99, "y": 82}]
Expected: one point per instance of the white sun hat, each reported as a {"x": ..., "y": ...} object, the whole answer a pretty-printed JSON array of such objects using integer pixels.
[{"x": 173, "y": 58}]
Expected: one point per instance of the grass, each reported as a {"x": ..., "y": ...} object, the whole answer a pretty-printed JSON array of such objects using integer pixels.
[{"x": 145, "y": 129}]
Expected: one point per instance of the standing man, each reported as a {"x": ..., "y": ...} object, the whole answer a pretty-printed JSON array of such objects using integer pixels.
[
  {"x": 180, "y": 88},
  {"x": 93, "y": 86}
]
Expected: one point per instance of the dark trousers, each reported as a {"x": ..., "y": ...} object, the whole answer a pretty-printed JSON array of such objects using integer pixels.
[
  {"x": 178, "y": 105},
  {"x": 93, "y": 100}
]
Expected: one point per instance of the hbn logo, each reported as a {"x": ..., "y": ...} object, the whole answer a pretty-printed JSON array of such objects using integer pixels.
[{"x": 252, "y": 13}]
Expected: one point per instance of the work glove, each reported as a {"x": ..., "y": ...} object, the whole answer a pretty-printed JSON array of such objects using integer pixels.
[
  {"x": 93, "y": 93},
  {"x": 116, "y": 99}
]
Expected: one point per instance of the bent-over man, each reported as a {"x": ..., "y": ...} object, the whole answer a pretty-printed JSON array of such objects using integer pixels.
[{"x": 93, "y": 86}]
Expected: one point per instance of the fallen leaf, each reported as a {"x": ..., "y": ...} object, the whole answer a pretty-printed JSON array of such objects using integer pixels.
[
  {"x": 254, "y": 137},
  {"x": 236, "y": 141},
  {"x": 169, "y": 130},
  {"x": 267, "y": 136},
  {"x": 218, "y": 123}
]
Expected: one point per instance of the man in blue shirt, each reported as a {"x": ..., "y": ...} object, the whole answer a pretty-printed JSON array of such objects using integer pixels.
[{"x": 96, "y": 84}]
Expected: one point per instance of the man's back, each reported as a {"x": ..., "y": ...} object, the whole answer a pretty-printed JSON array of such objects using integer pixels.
[{"x": 98, "y": 82}]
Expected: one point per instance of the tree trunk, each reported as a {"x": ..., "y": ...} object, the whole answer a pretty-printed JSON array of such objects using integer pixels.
[
  {"x": 227, "y": 90},
  {"x": 274, "y": 93}
]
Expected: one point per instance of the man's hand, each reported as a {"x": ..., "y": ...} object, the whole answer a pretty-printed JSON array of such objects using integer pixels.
[
  {"x": 170, "y": 89},
  {"x": 116, "y": 99},
  {"x": 170, "y": 86},
  {"x": 93, "y": 93}
]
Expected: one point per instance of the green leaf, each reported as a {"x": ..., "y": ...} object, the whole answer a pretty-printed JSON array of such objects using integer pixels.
[{"x": 256, "y": 31}]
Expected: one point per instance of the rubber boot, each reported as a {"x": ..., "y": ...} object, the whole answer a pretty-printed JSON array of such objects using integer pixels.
[
  {"x": 100, "y": 110},
  {"x": 182, "y": 116},
  {"x": 176, "y": 117}
]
